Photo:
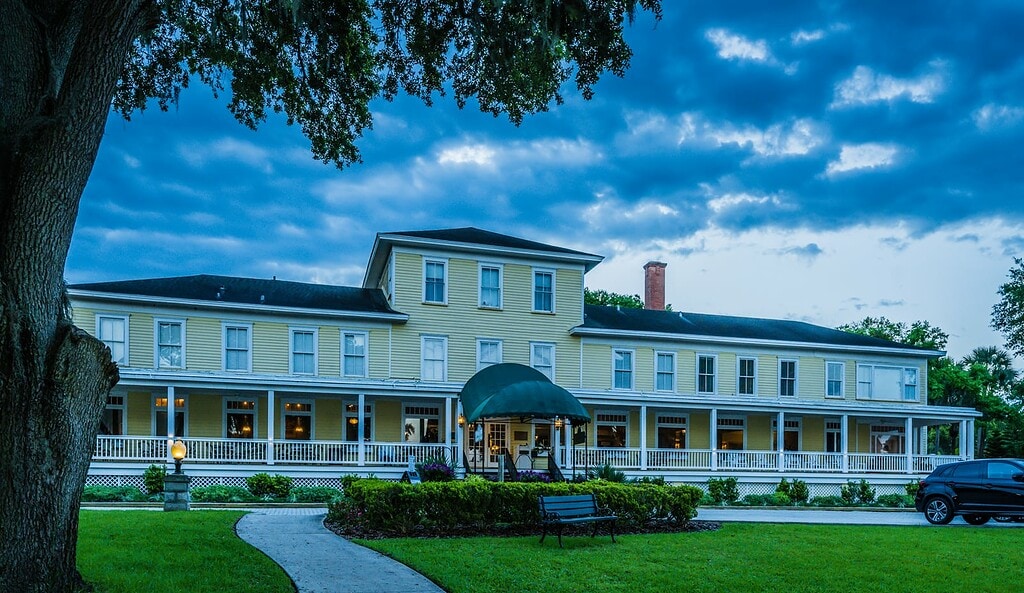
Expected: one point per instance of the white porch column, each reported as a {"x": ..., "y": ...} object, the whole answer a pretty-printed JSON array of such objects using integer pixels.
[
  {"x": 361, "y": 442},
  {"x": 448, "y": 422},
  {"x": 964, "y": 445},
  {"x": 270, "y": 427},
  {"x": 567, "y": 456},
  {"x": 970, "y": 438},
  {"x": 922, "y": 441},
  {"x": 908, "y": 444},
  {"x": 713, "y": 421},
  {"x": 780, "y": 439},
  {"x": 170, "y": 422},
  {"x": 460, "y": 450},
  {"x": 643, "y": 437},
  {"x": 844, "y": 435},
  {"x": 556, "y": 445}
]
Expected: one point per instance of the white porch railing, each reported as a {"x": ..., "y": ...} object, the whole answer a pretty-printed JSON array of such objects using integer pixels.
[
  {"x": 617, "y": 457},
  {"x": 316, "y": 452},
  {"x": 748, "y": 460},
  {"x": 813, "y": 462},
  {"x": 678, "y": 459},
  {"x": 398, "y": 453},
  {"x": 878, "y": 462},
  {"x": 226, "y": 450},
  {"x": 927, "y": 463},
  {"x": 126, "y": 448}
]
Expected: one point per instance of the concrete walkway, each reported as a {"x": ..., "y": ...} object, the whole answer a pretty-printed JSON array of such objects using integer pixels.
[{"x": 318, "y": 561}]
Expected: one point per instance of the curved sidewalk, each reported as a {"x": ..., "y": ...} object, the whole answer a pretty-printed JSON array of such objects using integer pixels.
[{"x": 318, "y": 561}]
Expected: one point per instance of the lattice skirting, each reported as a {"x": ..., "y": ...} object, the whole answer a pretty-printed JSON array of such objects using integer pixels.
[
  {"x": 746, "y": 488},
  {"x": 203, "y": 481}
]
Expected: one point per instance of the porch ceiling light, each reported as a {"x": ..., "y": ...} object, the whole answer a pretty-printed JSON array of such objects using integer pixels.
[
  {"x": 462, "y": 420},
  {"x": 558, "y": 422},
  {"x": 178, "y": 452}
]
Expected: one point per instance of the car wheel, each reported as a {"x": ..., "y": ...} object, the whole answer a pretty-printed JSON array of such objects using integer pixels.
[
  {"x": 976, "y": 519},
  {"x": 938, "y": 510}
]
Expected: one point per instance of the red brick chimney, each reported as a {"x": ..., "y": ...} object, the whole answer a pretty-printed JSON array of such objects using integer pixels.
[{"x": 654, "y": 285}]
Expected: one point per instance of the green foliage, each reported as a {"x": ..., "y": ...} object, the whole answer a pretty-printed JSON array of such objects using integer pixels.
[
  {"x": 264, "y": 485},
  {"x": 723, "y": 490},
  {"x": 613, "y": 299},
  {"x": 857, "y": 493},
  {"x": 607, "y": 473},
  {"x": 919, "y": 333},
  {"x": 313, "y": 494},
  {"x": 775, "y": 499},
  {"x": 795, "y": 491},
  {"x": 900, "y": 501},
  {"x": 442, "y": 507},
  {"x": 912, "y": 487},
  {"x": 657, "y": 480},
  {"x": 829, "y": 501},
  {"x": 113, "y": 494},
  {"x": 153, "y": 478},
  {"x": 1008, "y": 313},
  {"x": 218, "y": 493},
  {"x": 435, "y": 469}
]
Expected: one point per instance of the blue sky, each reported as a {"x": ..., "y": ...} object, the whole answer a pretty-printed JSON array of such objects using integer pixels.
[{"x": 820, "y": 161}]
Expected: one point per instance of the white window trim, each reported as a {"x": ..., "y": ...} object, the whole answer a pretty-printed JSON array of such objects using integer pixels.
[
  {"x": 796, "y": 377},
  {"x": 127, "y": 333},
  {"x": 444, "y": 359},
  {"x": 731, "y": 417},
  {"x": 441, "y": 423},
  {"x": 828, "y": 431},
  {"x": 224, "y": 346},
  {"x": 156, "y": 342},
  {"x": 533, "y": 290},
  {"x": 480, "y": 284},
  {"x": 311, "y": 413},
  {"x": 903, "y": 385},
  {"x": 714, "y": 377},
  {"x": 623, "y": 424},
  {"x": 366, "y": 354},
  {"x": 479, "y": 344},
  {"x": 255, "y": 415},
  {"x": 345, "y": 415},
  {"x": 632, "y": 368},
  {"x": 153, "y": 410},
  {"x": 447, "y": 275},
  {"x": 686, "y": 424},
  {"x": 533, "y": 359},
  {"x": 316, "y": 349},
  {"x": 842, "y": 379},
  {"x": 123, "y": 406},
  {"x": 672, "y": 355},
  {"x": 738, "y": 377}
]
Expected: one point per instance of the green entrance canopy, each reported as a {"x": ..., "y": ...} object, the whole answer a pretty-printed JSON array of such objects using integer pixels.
[{"x": 510, "y": 389}]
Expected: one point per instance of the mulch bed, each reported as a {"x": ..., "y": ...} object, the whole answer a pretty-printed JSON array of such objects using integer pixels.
[{"x": 358, "y": 532}]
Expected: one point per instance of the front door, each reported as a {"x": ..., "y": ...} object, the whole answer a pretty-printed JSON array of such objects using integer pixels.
[{"x": 497, "y": 441}]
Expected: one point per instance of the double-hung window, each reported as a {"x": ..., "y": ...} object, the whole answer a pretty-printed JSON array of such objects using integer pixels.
[
  {"x": 490, "y": 286},
  {"x": 746, "y": 376},
  {"x": 706, "y": 375},
  {"x": 435, "y": 281},
  {"x": 611, "y": 429},
  {"x": 887, "y": 383},
  {"x": 240, "y": 418},
  {"x": 488, "y": 353},
  {"x": 304, "y": 351},
  {"x": 353, "y": 354},
  {"x": 834, "y": 382},
  {"x": 543, "y": 291},
  {"x": 170, "y": 344},
  {"x": 298, "y": 420},
  {"x": 434, "y": 363},
  {"x": 622, "y": 369},
  {"x": 112, "y": 330},
  {"x": 787, "y": 377},
  {"x": 542, "y": 358},
  {"x": 665, "y": 371},
  {"x": 237, "y": 347}
]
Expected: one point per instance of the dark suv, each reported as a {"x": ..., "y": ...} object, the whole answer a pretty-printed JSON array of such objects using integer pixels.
[{"x": 978, "y": 490}]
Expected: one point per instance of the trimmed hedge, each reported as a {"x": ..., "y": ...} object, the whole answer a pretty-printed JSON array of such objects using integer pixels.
[
  {"x": 392, "y": 508},
  {"x": 113, "y": 494}
]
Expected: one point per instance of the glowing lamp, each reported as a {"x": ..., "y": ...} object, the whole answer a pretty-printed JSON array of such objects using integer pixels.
[
  {"x": 178, "y": 452},
  {"x": 462, "y": 420}
]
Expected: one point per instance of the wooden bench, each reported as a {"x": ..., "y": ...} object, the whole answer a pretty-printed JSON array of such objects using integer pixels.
[{"x": 571, "y": 510}]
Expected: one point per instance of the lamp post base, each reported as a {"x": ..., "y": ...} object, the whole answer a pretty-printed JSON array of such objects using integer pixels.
[{"x": 176, "y": 492}]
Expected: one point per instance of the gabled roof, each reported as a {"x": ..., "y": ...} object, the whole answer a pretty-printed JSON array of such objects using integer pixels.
[
  {"x": 470, "y": 239},
  {"x": 250, "y": 292},
  {"x": 602, "y": 320}
]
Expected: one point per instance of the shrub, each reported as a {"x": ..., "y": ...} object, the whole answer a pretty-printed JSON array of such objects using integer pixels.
[
  {"x": 755, "y": 500},
  {"x": 314, "y": 494},
  {"x": 900, "y": 501},
  {"x": 656, "y": 480},
  {"x": 912, "y": 487},
  {"x": 264, "y": 485},
  {"x": 857, "y": 493},
  {"x": 723, "y": 490},
  {"x": 113, "y": 494},
  {"x": 798, "y": 491},
  {"x": 153, "y": 478},
  {"x": 828, "y": 501},
  {"x": 531, "y": 476},
  {"x": 218, "y": 493},
  {"x": 435, "y": 469},
  {"x": 607, "y": 473},
  {"x": 390, "y": 508}
]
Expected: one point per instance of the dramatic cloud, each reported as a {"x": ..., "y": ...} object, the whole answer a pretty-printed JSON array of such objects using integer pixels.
[
  {"x": 866, "y": 86},
  {"x": 862, "y": 156}
]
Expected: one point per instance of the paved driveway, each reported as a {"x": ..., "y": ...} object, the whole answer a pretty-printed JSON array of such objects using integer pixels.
[{"x": 840, "y": 517}]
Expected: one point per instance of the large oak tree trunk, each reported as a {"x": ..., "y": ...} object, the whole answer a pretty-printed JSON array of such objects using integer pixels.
[{"x": 59, "y": 67}]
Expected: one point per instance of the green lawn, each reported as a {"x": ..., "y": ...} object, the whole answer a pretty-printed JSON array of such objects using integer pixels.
[
  {"x": 739, "y": 557},
  {"x": 157, "y": 552}
]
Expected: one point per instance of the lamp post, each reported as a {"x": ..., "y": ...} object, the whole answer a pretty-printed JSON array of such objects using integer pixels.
[{"x": 176, "y": 485}]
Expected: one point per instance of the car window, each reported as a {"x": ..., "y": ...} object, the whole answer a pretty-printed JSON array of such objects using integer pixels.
[
  {"x": 969, "y": 471},
  {"x": 1000, "y": 470}
]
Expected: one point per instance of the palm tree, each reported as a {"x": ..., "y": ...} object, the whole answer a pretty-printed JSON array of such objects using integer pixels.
[{"x": 999, "y": 365}]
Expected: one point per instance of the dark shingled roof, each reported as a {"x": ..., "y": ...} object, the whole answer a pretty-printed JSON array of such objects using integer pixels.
[
  {"x": 599, "y": 317},
  {"x": 482, "y": 237},
  {"x": 274, "y": 293}
]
